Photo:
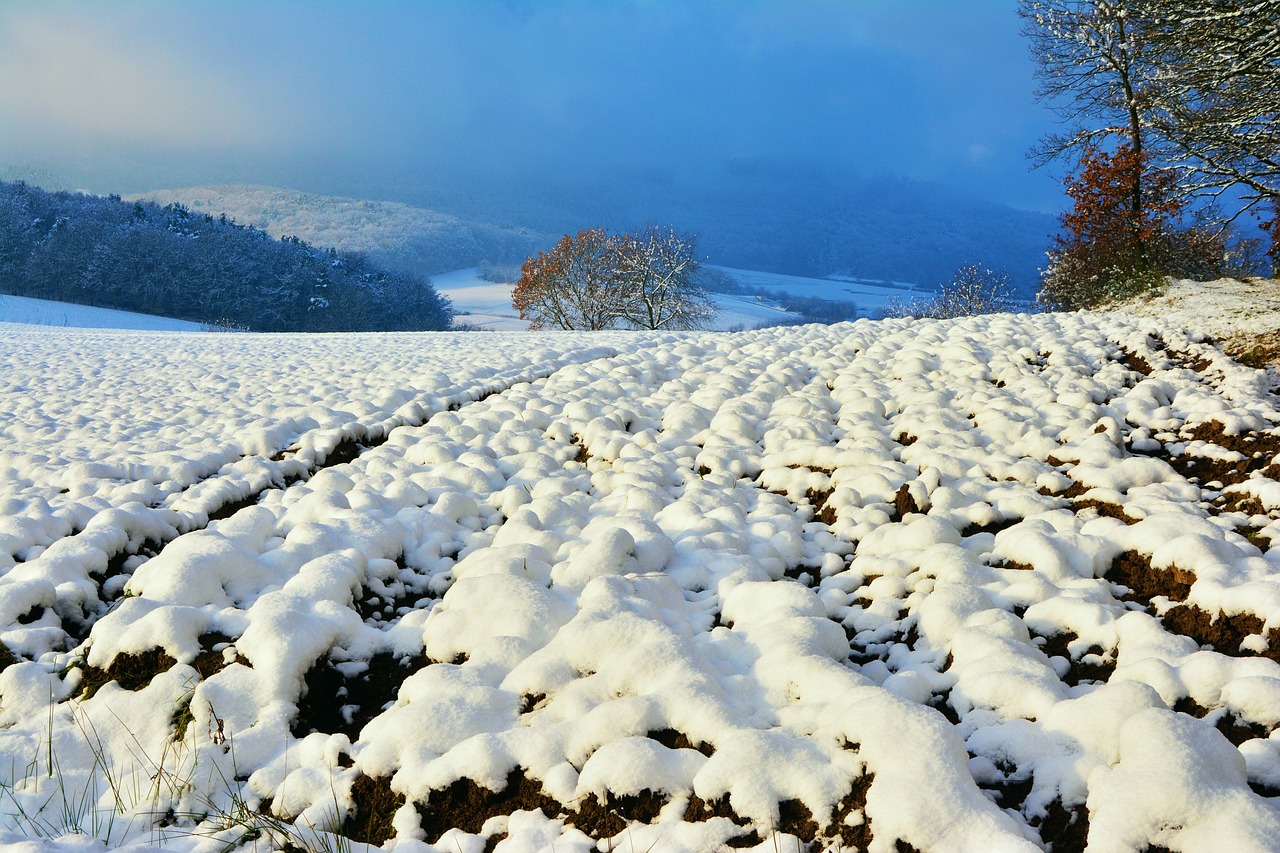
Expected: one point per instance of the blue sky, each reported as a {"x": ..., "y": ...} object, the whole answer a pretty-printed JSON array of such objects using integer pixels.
[{"x": 373, "y": 98}]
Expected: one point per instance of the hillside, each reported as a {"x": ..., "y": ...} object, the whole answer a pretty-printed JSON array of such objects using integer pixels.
[
  {"x": 994, "y": 583},
  {"x": 898, "y": 231},
  {"x": 139, "y": 257},
  {"x": 783, "y": 219},
  {"x": 397, "y": 236},
  {"x": 45, "y": 312},
  {"x": 1243, "y": 315}
]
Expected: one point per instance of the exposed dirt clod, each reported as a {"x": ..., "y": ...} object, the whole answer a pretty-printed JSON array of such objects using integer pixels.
[
  {"x": 1134, "y": 362},
  {"x": 375, "y": 805},
  {"x": 1233, "y": 727},
  {"x": 1223, "y": 632},
  {"x": 1064, "y": 829},
  {"x": 7, "y": 658},
  {"x": 1144, "y": 582},
  {"x": 1056, "y": 645},
  {"x": 131, "y": 672},
  {"x": 672, "y": 739},
  {"x": 332, "y": 703},
  {"x": 466, "y": 806},
  {"x": 903, "y": 503}
]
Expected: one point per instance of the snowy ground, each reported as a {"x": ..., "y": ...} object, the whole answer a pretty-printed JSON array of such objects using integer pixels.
[
  {"x": 869, "y": 296},
  {"x": 42, "y": 312},
  {"x": 1241, "y": 314},
  {"x": 984, "y": 584},
  {"x": 486, "y": 304}
]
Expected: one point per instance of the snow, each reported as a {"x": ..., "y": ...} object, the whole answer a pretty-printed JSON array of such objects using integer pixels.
[
  {"x": 767, "y": 570},
  {"x": 870, "y": 296},
  {"x": 1224, "y": 308},
  {"x": 43, "y": 312}
]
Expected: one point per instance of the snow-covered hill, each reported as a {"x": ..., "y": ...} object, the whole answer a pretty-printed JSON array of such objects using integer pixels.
[
  {"x": 397, "y": 236},
  {"x": 992, "y": 584},
  {"x": 45, "y": 312},
  {"x": 1244, "y": 315},
  {"x": 869, "y": 296}
]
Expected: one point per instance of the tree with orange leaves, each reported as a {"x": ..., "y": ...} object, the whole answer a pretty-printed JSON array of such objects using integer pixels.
[
  {"x": 576, "y": 285},
  {"x": 1110, "y": 249},
  {"x": 597, "y": 280}
]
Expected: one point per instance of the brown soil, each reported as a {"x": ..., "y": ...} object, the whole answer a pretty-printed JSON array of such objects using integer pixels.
[
  {"x": 209, "y": 662},
  {"x": 1255, "y": 537},
  {"x": 466, "y": 806},
  {"x": 1259, "y": 448},
  {"x": 1110, "y": 510},
  {"x": 1232, "y": 727},
  {"x": 853, "y": 837},
  {"x": 327, "y": 690},
  {"x": 1010, "y": 793},
  {"x": 131, "y": 672},
  {"x": 380, "y": 608},
  {"x": 794, "y": 818},
  {"x": 1258, "y": 352},
  {"x": 941, "y": 702},
  {"x": 1190, "y": 360},
  {"x": 346, "y": 451},
  {"x": 375, "y": 804},
  {"x": 7, "y": 658},
  {"x": 230, "y": 508},
  {"x": 699, "y": 810},
  {"x": 903, "y": 503},
  {"x": 672, "y": 739},
  {"x": 78, "y": 623},
  {"x": 1134, "y": 362},
  {"x": 1222, "y": 632},
  {"x": 1075, "y": 493},
  {"x": 906, "y": 439},
  {"x": 1056, "y": 646},
  {"x": 822, "y": 511},
  {"x": 990, "y": 527},
  {"x": 1064, "y": 830},
  {"x": 1134, "y": 571},
  {"x": 31, "y": 616},
  {"x": 805, "y": 575}
]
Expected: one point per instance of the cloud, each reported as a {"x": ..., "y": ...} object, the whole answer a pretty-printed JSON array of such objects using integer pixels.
[{"x": 82, "y": 76}]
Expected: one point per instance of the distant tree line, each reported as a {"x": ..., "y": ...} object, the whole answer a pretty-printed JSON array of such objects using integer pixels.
[
  {"x": 138, "y": 256},
  {"x": 809, "y": 309},
  {"x": 393, "y": 235}
]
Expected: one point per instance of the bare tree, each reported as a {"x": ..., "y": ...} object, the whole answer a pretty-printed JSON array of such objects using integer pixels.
[
  {"x": 973, "y": 289},
  {"x": 658, "y": 267},
  {"x": 1215, "y": 94},
  {"x": 1092, "y": 68}
]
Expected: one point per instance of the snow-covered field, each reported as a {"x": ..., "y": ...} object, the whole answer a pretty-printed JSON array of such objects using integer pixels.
[
  {"x": 488, "y": 305},
  {"x": 43, "y": 312},
  {"x": 987, "y": 584},
  {"x": 869, "y": 296}
]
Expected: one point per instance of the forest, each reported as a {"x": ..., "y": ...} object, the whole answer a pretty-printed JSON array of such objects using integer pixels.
[{"x": 139, "y": 256}]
